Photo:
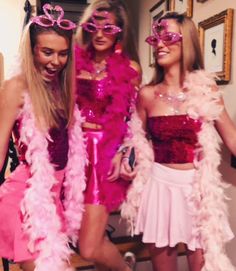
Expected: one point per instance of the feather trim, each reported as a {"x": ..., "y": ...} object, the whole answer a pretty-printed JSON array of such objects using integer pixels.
[
  {"x": 40, "y": 219},
  {"x": 75, "y": 182},
  {"x": 119, "y": 88},
  {"x": 208, "y": 200},
  {"x": 145, "y": 158},
  {"x": 208, "y": 197}
]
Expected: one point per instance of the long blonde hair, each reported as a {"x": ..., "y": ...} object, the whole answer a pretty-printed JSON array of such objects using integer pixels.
[
  {"x": 119, "y": 8},
  {"x": 46, "y": 106},
  {"x": 191, "y": 51}
]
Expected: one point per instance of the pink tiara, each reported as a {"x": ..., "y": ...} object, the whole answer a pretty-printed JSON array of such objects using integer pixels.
[{"x": 48, "y": 19}]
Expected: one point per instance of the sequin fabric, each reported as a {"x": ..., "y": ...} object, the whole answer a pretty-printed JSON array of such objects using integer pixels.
[
  {"x": 174, "y": 138},
  {"x": 57, "y": 146},
  {"x": 92, "y": 99}
]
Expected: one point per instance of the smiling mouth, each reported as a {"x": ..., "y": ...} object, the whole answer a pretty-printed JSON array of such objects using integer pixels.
[
  {"x": 51, "y": 72},
  {"x": 100, "y": 42},
  {"x": 160, "y": 54}
]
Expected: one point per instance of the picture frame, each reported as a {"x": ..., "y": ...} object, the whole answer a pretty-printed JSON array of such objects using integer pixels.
[
  {"x": 182, "y": 6},
  {"x": 215, "y": 35},
  {"x": 155, "y": 13}
]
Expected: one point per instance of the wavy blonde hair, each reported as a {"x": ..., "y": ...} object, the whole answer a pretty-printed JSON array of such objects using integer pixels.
[
  {"x": 47, "y": 108},
  {"x": 120, "y": 10},
  {"x": 191, "y": 51}
]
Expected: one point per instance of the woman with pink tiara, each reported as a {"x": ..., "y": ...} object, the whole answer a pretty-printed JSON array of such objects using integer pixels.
[
  {"x": 41, "y": 201},
  {"x": 177, "y": 195},
  {"x": 107, "y": 75}
]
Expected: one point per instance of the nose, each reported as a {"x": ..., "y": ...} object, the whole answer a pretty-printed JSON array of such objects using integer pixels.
[
  {"x": 99, "y": 33},
  {"x": 55, "y": 59},
  {"x": 160, "y": 43}
]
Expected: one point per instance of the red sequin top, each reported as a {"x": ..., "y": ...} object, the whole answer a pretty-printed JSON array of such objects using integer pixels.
[
  {"x": 92, "y": 99},
  {"x": 58, "y": 146},
  {"x": 174, "y": 138}
]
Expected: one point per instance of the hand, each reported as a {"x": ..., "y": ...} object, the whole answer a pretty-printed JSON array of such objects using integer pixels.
[
  {"x": 126, "y": 171},
  {"x": 114, "y": 170}
]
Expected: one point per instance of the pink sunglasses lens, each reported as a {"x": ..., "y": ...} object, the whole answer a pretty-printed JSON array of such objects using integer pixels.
[
  {"x": 66, "y": 24},
  {"x": 171, "y": 38},
  {"x": 44, "y": 21},
  {"x": 89, "y": 27},
  {"x": 111, "y": 29},
  {"x": 152, "y": 40}
]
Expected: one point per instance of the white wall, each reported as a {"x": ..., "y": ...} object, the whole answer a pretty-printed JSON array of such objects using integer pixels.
[
  {"x": 202, "y": 11},
  {"x": 11, "y": 21}
]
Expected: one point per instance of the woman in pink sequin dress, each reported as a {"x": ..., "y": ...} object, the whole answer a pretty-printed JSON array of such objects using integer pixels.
[
  {"x": 106, "y": 81},
  {"x": 41, "y": 201},
  {"x": 177, "y": 195}
]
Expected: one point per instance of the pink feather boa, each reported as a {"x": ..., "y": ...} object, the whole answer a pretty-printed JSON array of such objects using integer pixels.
[
  {"x": 208, "y": 199},
  {"x": 41, "y": 221}
]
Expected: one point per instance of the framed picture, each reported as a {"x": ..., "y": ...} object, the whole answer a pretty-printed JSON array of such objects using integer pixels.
[
  {"x": 216, "y": 43},
  {"x": 182, "y": 6},
  {"x": 155, "y": 13}
]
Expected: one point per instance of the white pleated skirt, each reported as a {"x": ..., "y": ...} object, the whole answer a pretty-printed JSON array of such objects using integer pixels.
[{"x": 165, "y": 216}]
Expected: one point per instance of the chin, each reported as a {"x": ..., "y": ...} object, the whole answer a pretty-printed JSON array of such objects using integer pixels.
[
  {"x": 48, "y": 80},
  {"x": 101, "y": 49}
]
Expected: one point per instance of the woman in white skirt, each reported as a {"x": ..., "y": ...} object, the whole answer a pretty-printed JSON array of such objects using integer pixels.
[{"x": 177, "y": 195}]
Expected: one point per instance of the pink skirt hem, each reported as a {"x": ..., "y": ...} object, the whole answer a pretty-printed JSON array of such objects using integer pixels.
[{"x": 13, "y": 241}]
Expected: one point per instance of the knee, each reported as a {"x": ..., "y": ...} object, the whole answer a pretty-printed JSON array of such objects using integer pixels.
[{"x": 88, "y": 252}]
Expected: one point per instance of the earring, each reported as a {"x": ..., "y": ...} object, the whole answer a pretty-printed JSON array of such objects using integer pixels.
[{"x": 118, "y": 47}]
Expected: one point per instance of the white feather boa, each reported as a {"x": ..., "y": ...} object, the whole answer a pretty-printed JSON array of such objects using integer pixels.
[
  {"x": 41, "y": 221},
  {"x": 208, "y": 199}
]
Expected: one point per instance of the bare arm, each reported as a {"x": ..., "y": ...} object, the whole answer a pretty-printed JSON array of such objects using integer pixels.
[
  {"x": 126, "y": 171},
  {"x": 134, "y": 65},
  {"x": 142, "y": 107},
  {"x": 11, "y": 99}
]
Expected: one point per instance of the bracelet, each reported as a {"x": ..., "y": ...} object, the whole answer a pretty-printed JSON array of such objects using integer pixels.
[{"x": 122, "y": 149}]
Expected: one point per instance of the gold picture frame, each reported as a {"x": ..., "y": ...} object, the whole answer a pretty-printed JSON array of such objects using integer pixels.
[
  {"x": 216, "y": 42},
  {"x": 155, "y": 13},
  {"x": 182, "y": 6}
]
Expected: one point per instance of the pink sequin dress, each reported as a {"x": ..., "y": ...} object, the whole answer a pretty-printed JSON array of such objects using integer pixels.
[
  {"x": 13, "y": 241},
  {"x": 106, "y": 102}
]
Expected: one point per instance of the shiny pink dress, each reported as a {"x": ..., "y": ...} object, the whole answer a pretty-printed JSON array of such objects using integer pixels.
[
  {"x": 94, "y": 101},
  {"x": 13, "y": 241},
  {"x": 106, "y": 102}
]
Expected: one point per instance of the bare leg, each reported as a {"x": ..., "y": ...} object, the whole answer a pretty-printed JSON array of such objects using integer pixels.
[
  {"x": 195, "y": 260},
  {"x": 93, "y": 244},
  {"x": 27, "y": 266},
  {"x": 100, "y": 267},
  {"x": 163, "y": 259}
]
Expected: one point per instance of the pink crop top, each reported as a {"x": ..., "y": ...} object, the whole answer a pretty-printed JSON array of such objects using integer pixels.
[
  {"x": 174, "y": 138},
  {"x": 57, "y": 148},
  {"x": 92, "y": 99}
]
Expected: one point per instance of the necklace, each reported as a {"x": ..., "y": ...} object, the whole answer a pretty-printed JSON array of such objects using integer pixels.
[
  {"x": 173, "y": 100},
  {"x": 98, "y": 69}
]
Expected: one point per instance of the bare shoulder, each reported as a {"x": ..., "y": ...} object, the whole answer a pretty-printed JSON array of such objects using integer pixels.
[
  {"x": 146, "y": 93},
  {"x": 11, "y": 92},
  {"x": 134, "y": 65}
]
